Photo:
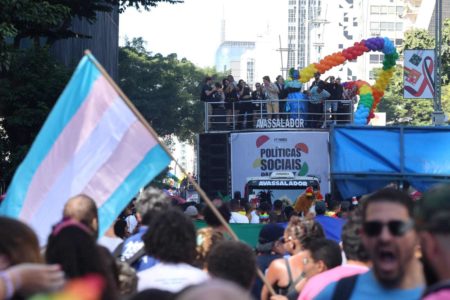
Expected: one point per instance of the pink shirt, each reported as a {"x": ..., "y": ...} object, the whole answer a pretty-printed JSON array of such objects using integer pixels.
[
  {"x": 317, "y": 283},
  {"x": 439, "y": 295}
]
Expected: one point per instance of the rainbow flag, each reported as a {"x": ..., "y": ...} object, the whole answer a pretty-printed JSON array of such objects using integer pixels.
[{"x": 91, "y": 143}]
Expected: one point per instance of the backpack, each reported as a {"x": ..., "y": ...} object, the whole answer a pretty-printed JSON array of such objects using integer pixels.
[{"x": 344, "y": 288}]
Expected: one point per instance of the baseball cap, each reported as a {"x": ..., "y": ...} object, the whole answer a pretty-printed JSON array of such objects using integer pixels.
[
  {"x": 270, "y": 233},
  {"x": 267, "y": 236},
  {"x": 432, "y": 212},
  {"x": 309, "y": 191},
  {"x": 191, "y": 211}
]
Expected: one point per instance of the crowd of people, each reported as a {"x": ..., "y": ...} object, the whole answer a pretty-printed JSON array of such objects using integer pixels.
[
  {"x": 390, "y": 247},
  {"x": 241, "y": 106}
]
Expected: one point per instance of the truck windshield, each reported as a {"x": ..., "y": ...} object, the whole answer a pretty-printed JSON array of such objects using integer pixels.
[{"x": 290, "y": 194}]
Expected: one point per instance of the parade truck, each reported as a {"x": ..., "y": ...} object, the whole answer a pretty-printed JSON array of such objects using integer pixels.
[
  {"x": 279, "y": 185},
  {"x": 282, "y": 163},
  {"x": 346, "y": 160}
]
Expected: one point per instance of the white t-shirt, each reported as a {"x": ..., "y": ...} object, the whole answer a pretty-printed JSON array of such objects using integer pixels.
[
  {"x": 255, "y": 217},
  {"x": 109, "y": 242},
  {"x": 132, "y": 223},
  {"x": 238, "y": 218},
  {"x": 170, "y": 277}
]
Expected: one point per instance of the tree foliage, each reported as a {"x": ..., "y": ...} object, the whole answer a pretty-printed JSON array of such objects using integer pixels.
[
  {"x": 138, "y": 4},
  {"x": 165, "y": 89},
  {"x": 30, "y": 79},
  {"x": 44, "y": 22},
  {"x": 34, "y": 82}
]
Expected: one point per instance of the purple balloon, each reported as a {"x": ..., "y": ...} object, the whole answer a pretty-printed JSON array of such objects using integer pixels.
[
  {"x": 379, "y": 42},
  {"x": 371, "y": 44}
]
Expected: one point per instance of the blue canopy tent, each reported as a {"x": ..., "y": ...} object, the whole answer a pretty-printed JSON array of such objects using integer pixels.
[{"x": 364, "y": 159}]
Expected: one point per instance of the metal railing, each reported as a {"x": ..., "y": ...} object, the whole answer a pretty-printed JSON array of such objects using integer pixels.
[{"x": 294, "y": 114}]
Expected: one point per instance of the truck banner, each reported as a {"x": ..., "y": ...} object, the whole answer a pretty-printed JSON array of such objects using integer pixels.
[{"x": 258, "y": 154}]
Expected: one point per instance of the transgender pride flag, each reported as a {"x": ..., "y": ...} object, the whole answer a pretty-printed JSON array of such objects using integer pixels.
[{"x": 91, "y": 143}]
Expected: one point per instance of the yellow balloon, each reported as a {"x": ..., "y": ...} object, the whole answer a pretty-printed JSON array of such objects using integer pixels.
[{"x": 365, "y": 90}]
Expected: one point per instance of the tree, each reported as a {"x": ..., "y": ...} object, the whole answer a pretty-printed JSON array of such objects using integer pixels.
[
  {"x": 27, "y": 95},
  {"x": 30, "y": 79},
  {"x": 42, "y": 18},
  {"x": 44, "y": 22},
  {"x": 145, "y": 4},
  {"x": 165, "y": 89}
]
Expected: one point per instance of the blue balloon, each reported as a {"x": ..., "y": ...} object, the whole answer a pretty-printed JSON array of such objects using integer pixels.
[{"x": 388, "y": 46}]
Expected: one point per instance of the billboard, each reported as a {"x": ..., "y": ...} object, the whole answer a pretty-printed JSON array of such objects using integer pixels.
[
  {"x": 418, "y": 74},
  {"x": 258, "y": 154}
]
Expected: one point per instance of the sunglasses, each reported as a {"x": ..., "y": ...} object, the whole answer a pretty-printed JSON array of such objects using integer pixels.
[{"x": 396, "y": 228}]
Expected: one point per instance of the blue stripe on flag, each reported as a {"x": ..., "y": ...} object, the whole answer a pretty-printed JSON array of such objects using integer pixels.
[
  {"x": 152, "y": 164},
  {"x": 65, "y": 108}
]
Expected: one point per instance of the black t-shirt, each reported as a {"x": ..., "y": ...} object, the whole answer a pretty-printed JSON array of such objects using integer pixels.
[
  {"x": 258, "y": 95},
  {"x": 314, "y": 83},
  {"x": 335, "y": 91},
  {"x": 204, "y": 96},
  {"x": 262, "y": 261},
  {"x": 283, "y": 92},
  {"x": 246, "y": 93}
]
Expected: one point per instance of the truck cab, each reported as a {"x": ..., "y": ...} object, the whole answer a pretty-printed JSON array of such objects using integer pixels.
[{"x": 280, "y": 185}]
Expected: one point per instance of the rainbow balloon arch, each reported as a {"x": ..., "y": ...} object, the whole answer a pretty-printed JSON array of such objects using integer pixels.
[{"x": 369, "y": 95}]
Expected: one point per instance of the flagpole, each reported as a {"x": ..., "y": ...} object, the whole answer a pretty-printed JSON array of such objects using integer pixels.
[{"x": 155, "y": 135}]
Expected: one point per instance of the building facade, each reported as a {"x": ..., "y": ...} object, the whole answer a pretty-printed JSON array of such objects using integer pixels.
[
  {"x": 317, "y": 28},
  {"x": 333, "y": 25},
  {"x": 303, "y": 16},
  {"x": 421, "y": 14},
  {"x": 184, "y": 154},
  {"x": 104, "y": 43},
  {"x": 234, "y": 56}
]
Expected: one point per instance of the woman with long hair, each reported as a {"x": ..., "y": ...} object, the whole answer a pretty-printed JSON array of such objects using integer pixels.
[
  {"x": 285, "y": 273},
  {"x": 72, "y": 245}
]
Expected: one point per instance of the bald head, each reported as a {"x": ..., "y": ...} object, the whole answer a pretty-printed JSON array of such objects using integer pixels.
[{"x": 83, "y": 209}]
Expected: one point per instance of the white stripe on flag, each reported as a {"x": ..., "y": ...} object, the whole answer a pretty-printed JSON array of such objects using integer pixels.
[
  {"x": 124, "y": 159},
  {"x": 72, "y": 137}
]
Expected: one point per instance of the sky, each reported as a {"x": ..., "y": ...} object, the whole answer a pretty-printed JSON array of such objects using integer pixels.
[{"x": 193, "y": 29}]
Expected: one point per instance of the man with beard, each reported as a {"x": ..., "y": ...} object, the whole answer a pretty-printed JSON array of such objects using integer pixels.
[
  {"x": 389, "y": 237},
  {"x": 432, "y": 217}
]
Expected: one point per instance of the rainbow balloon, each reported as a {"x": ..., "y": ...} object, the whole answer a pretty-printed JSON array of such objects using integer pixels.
[{"x": 370, "y": 96}]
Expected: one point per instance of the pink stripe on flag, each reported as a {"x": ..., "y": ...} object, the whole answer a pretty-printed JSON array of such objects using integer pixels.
[
  {"x": 73, "y": 136},
  {"x": 133, "y": 147}
]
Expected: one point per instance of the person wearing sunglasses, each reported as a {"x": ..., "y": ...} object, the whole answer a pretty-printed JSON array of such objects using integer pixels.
[
  {"x": 432, "y": 215},
  {"x": 389, "y": 237}
]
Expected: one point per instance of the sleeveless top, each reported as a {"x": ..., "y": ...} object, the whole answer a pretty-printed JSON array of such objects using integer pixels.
[{"x": 292, "y": 283}]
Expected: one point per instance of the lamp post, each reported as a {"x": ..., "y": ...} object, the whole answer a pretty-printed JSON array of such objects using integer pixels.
[{"x": 438, "y": 115}]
